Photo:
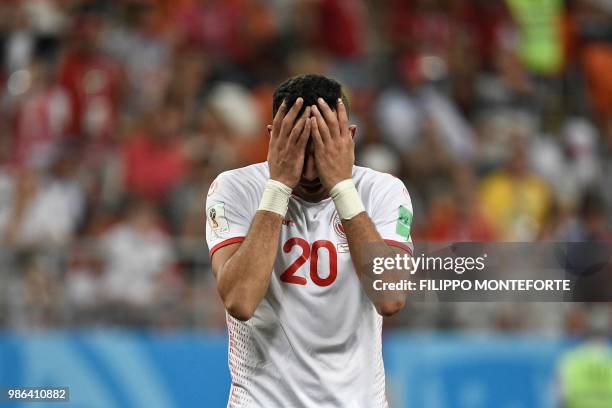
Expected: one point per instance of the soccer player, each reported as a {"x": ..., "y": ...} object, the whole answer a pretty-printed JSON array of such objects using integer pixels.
[{"x": 289, "y": 240}]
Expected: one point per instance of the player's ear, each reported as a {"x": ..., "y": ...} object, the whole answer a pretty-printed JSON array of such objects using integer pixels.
[
  {"x": 353, "y": 130},
  {"x": 269, "y": 127}
]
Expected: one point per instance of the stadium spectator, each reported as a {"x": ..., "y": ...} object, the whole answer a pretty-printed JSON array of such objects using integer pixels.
[
  {"x": 42, "y": 114},
  {"x": 44, "y": 210},
  {"x": 458, "y": 215},
  {"x": 145, "y": 52},
  {"x": 514, "y": 199},
  {"x": 137, "y": 255},
  {"x": 94, "y": 82},
  {"x": 154, "y": 162}
]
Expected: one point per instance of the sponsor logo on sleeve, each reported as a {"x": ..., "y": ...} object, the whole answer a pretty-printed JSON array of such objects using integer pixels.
[
  {"x": 404, "y": 222},
  {"x": 216, "y": 218}
]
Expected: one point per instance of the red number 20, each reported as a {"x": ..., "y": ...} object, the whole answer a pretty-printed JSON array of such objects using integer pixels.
[{"x": 289, "y": 274}]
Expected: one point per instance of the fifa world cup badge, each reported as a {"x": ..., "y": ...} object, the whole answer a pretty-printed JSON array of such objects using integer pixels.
[
  {"x": 216, "y": 218},
  {"x": 213, "y": 218}
]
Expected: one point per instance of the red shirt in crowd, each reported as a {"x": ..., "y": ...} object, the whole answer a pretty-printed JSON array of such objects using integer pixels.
[
  {"x": 93, "y": 82},
  {"x": 153, "y": 168}
]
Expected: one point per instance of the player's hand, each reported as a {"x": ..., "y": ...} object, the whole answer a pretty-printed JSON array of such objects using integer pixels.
[
  {"x": 334, "y": 148},
  {"x": 288, "y": 143}
]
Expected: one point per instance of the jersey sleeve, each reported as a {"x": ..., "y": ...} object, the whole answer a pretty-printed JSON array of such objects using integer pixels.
[
  {"x": 392, "y": 213},
  {"x": 229, "y": 213}
]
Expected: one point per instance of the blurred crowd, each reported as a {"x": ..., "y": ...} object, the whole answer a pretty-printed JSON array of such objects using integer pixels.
[{"x": 117, "y": 115}]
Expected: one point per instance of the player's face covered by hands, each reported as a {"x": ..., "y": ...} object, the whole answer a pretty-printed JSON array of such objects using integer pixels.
[
  {"x": 288, "y": 138},
  {"x": 334, "y": 150},
  {"x": 311, "y": 163}
]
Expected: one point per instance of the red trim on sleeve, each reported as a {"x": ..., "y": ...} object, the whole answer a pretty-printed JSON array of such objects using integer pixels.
[
  {"x": 398, "y": 244},
  {"x": 225, "y": 243}
]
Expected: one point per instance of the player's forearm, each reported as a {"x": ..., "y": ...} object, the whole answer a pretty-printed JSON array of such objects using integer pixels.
[
  {"x": 244, "y": 278},
  {"x": 365, "y": 244}
]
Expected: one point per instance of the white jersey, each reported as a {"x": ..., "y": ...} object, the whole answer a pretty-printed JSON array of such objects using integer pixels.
[{"x": 315, "y": 338}]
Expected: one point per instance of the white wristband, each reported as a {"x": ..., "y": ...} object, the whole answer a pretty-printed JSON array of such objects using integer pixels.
[
  {"x": 347, "y": 200},
  {"x": 275, "y": 198}
]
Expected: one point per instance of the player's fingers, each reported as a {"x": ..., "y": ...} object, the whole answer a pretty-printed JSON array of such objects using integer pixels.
[
  {"x": 305, "y": 135},
  {"x": 321, "y": 125},
  {"x": 299, "y": 127},
  {"x": 342, "y": 119},
  {"x": 316, "y": 135},
  {"x": 289, "y": 118},
  {"x": 329, "y": 116},
  {"x": 278, "y": 118}
]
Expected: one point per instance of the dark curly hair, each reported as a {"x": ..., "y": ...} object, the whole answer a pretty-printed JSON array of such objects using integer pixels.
[{"x": 310, "y": 87}]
